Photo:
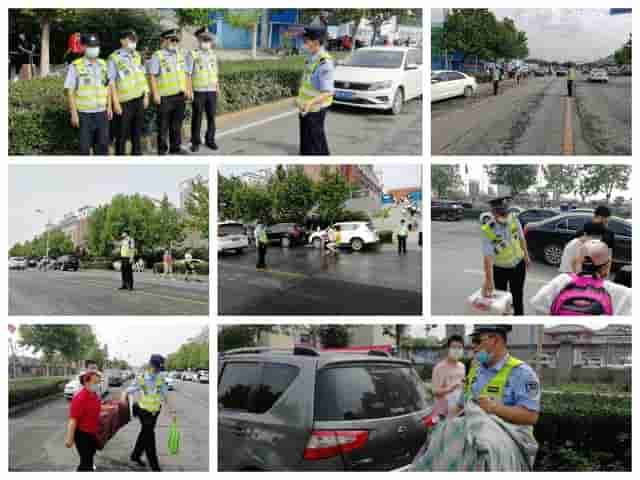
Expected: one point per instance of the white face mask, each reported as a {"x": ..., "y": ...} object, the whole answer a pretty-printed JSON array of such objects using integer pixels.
[
  {"x": 93, "y": 52},
  {"x": 132, "y": 45},
  {"x": 94, "y": 387},
  {"x": 456, "y": 353},
  {"x": 205, "y": 45}
]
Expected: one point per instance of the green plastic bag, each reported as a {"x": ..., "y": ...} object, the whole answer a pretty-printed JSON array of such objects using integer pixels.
[{"x": 173, "y": 443}]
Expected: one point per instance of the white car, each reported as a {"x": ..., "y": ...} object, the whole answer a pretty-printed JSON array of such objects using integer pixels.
[
  {"x": 171, "y": 382},
  {"x": 203, "y": 376},
  {"x": 449, "y": 84},
  {"x": 382, "y": 78},
  {"x": 17, "y": 263},
  {"x": 74, "y": 386},
  {"x": 232, "y": 236},
  {"x": 599, "y": 75},
  {"x": 356, "y": 235}
]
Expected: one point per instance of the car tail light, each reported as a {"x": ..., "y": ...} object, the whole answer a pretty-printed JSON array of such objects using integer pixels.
[{"x": 331, "y": 443}]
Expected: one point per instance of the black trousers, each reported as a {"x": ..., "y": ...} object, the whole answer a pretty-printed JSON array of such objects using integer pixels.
[
  {"x": 203, "y": 103},
  {"x": 170, "y": 118},
  {"x": 313, "y": 139},
  {"x": 87, "y": 447},
  {"x": 402, "y": 245},
  {"x": 570, "y": 88},
  {"x": 513, "y": 279},
  {"x": 262, "y": 255},
  {"x": 496, "y": 84},
  {"x": 94, "y": 133},
  {"x": 129, "y": 127},
  {"x": 126, "y": 270},
  {"x": 146, "y": 442}
]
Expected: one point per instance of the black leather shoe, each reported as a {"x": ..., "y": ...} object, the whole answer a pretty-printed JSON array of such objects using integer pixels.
[
  {"x": 138, "y": 461},
  {"x": 122, "y": 288},
  {"x": 195, "y": 148},
  {"x": 212, "y": 146}
]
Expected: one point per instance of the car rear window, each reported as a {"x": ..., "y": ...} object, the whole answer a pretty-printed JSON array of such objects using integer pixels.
[
  {"x": 275, "y": 380},
  {"x": 367, "y": 391},
  {"x": 230, "y": 229}
]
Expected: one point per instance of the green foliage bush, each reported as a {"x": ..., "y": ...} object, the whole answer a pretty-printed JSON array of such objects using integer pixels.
[
  {"x": 386, "y": 236},
  {"x": 27, "y": 390},
  {"x": 202, "y": 268}
]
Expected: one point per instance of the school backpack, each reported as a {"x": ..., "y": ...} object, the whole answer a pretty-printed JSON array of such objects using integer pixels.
[{"x": 584, "y": 295}]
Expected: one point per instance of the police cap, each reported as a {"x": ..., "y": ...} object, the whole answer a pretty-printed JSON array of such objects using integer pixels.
[
  {"x": 500, "y": 204},
  {"x": 128, "y": 34},
  {"x": 171, "y": 33},
  {"x": 499, "y": 329},
  {"x": 203, "y": 33},
  {"x": 314, "y": 33},
  {"x": 156, "y": 360},
  {"x": 90, "y": 40}
]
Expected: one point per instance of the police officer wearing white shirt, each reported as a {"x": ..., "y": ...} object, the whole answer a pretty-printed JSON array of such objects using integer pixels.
[{"x": 127, "y": 252}]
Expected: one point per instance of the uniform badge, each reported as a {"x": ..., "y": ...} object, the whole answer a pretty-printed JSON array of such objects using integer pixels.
[{"x": 533, "y": 389}]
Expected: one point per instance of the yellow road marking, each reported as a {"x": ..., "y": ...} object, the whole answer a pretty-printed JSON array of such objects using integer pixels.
[{"x": 567, "y": 140}]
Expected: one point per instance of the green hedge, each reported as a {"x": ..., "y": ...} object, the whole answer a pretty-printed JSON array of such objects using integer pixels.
[
  {"x": 29, "y": 389},
  {"x": 39, "y": 121}
]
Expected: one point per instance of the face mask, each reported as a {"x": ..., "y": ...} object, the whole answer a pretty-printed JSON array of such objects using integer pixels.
[
  {"x": 205, "y": 45},
  {"x": 93, "y": 52},
  {"x": 483, "y": 357},
  {"x": 94, "y": 387},
  {"x": 132, "y": 46},
  {"x": 455, "y": 353}
]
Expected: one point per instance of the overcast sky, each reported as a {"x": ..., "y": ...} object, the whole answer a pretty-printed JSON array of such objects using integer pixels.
[
  {"x": 394, "y": 176},
  {"x": 578, "y": 34},
  {"x": 134, "y": 343},
  {"x": 60, "y": 189}
]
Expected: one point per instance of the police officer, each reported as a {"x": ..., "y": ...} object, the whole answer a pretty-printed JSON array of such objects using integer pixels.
[
  {"x": 506, "y": 257},
  {"x": 495, "y": 76},
  {"x": 129, "y": 93},
  {"x": 501, "y": 384},
  {"x": 202, "y": 70},
  {"x": 170, "y": 91},
  {"x": 571, "y": 79},
  {"x": 262, "y": 242},
  {"x": 154, "y": 391},
  {"x": 127, "y": 252},
  {"x": 402, "y": 235},
  {"x": 315, "y": 95},
  {"x": 87, "y": 87}
]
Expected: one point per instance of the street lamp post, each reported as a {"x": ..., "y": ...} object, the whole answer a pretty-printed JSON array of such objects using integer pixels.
[{"x": 46, "y": 231}]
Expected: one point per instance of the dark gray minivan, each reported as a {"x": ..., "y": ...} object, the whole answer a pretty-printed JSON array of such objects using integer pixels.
[{"x": 302, "y": 409}]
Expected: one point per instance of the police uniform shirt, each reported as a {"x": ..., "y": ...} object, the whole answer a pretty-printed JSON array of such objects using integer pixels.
[
  {"x": 150, "y": 384},
  {"x": 71, "y": 82},
  {"x": 323, "y": 76},
  {"x": 129, "y": 241},
  {"x": 127, "y": 57},
  {"x": 191, "y": 67},
  {"x": 502, "y": 230},
  {"x": 153, "y": 66},
  {"x": 521, "y": 390}
]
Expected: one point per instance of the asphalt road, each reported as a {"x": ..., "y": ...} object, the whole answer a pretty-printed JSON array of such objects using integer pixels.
[
  {"x": 95, "y": 292},
  {"x": 36, "y": 437},
  {"x": 457, "y": 271},
  {"x": 301, "y": 281},
  {"x": 350, "y": 131},
  {"x": 536, "y": 118}
]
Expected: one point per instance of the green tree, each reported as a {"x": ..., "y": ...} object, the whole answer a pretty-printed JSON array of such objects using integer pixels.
[
  {"x": 517, "y": 177},
  {"x": 398, "y": 332},
  {"x": 227, "y": 203},
  {"x": 192, "y": 16},
  {"x": 331, "y": 193},
  {"x": 293, "y": 196},
  {"x": 197, "y": 209},
  {"x": 235, "y": 336},
  {"x": 445, "y": 179},
  {"x": 59, "y": 243},
  {"x": 603, "y": 179},
  {"x": 167, "y": 223},
  {"x": 246, "y": 19},
  {"x": 98, "y": 236},
  {"x": 561, "y": 179},
  {"x": 71, "y": 342},
  {"x": 334, "y": 336}
]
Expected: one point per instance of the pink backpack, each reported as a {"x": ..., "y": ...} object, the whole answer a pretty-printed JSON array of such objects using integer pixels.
[{"x": 584, "y": 295}]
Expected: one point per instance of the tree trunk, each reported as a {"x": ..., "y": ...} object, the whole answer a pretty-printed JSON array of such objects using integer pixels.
[
  {"x": 44, "y": 47},
  {"x": 254, "y": 41}
]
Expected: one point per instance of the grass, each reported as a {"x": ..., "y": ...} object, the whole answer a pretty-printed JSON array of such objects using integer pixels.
[{"x": 588, "y": 388}]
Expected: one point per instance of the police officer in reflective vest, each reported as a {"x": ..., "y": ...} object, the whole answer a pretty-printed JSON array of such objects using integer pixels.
[
  {"x": 202, "y": 70},
  {"x": 262, "y": 242},
  {"x": 153, "y": 390},
  {"x": 501, "y": 384},
  {"x": 127, "y": 253},
  {"x": 87, "y": 87},
  {"x": 129, "y": 93},
  {"x": 571, "y": 79},
  {"x": 402, "y": 235},
  {"x": 506, "y": 257},
  {"x": 315, "y": 95},
  {"x": 168, "y": 80}
]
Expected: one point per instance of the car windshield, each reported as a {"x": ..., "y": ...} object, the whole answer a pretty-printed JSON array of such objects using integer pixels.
[
  {"x": 375, "y": 59},
  {"x": 230, "y": 229}
]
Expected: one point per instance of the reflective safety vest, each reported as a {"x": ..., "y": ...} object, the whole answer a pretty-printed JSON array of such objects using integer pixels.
[
  {"x": 151, "y": 400},
  {"x": 126, "y": 249},
  {"x": 494, "y": 389},
  {"x": 496, "y": 75},
  {"x": 207, "y": 72},
  {"x": 262, "y": 236},
  {"x": 91, "y": 94},
  {"x": 172, "y": 79},
  {"x": 508, "y": 254},
  {"x": 131, "y": 81},
  {"x": 572, "y": 74},
  {"x": 307, "y": 91},
  {"x": 403, "y": 232}
]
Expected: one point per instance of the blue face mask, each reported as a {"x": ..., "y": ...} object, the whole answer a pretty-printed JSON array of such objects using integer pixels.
[
  {"x": 483, "y": 357},
  {"x": 94, "y": 387}
]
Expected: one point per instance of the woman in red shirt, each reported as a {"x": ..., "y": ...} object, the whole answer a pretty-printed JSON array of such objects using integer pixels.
[{"x": 84, "y": 418}]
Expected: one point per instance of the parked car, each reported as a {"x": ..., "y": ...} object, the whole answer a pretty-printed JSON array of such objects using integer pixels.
[
  {"x": 303, "y": 409},
  {"x": 17, "y": 263},
  {"x": 172, "y": 381},
  {"x": 562, "y": 72},
  {"x": 540, "y": 72},
  {"x": 46, "y": 263},
  {"x": 449, "y": 84},
  {"x": 446, "y": 210},
  {"x": 286, "y": 234},
  {"x": 189, "y": 376},
  {"x": 546, "y": 239},
  {"x": 536, "y": 214},
  {"x": 232, "y": 236},
  {"x": 599, "y": 75},
  {"x": 382, "y": 78},
  {"x": 115, "y": 379},
  {"x": 67, "y": 262},
  {"x": 356, "y": 235},
  {"x": 74, "y": 386},
  {"x": 203, "y": 376},
  {"x": 32, "y": 262}
]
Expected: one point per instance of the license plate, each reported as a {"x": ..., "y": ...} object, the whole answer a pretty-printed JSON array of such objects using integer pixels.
[{"x": 344, "y": 95}]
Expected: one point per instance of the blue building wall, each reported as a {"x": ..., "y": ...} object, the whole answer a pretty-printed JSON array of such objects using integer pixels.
[{"x": 236, "y": 38}]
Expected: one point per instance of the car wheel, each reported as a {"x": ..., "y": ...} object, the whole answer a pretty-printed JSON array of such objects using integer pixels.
[
  {"x": 317, "y": 243},
  {"x": 285, "y": 242},
  {"x": 553, "y": 254},
  {"x": 468, "y": 91},
  {"x": 357, "y": 244},
  {"x": 398, "y": 102}
]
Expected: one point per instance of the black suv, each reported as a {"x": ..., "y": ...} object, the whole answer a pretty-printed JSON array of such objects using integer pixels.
[
  {"x": 287, "y": 234},
  {"x": 67, "y": 262},
  {"x": 446, "y": 210},
  {"x": 302, "y": 409}
]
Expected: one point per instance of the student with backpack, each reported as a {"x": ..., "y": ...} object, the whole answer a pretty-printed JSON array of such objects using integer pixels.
[{"x": 587, "y": 292}]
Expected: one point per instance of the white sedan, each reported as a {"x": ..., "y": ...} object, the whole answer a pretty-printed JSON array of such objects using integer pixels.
[
  {"x": 599, "y": 75},
  {"x": 382, "y": 78},
  {"x": 449, "y": 84}
]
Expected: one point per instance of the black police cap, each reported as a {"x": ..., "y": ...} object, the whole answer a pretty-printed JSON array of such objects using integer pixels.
[
  {"x": 171, "y": 33},
  {"x": 204, "y": 31},
  {"x": 314, "y": 33},
  {"x": 156, "y": 360},
  {"x": 90, "y": 40},
  {"x": 128, "y": 34},
  {"x": 500, "y": 329},
  {"x": 500, "y": 202}
]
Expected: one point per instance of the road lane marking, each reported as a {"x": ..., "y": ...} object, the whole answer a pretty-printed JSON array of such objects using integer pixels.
[
  {"x": 257, "y": 123},
  {"x": 528, "y": 278},
  {"x": 567, "y": 139}
]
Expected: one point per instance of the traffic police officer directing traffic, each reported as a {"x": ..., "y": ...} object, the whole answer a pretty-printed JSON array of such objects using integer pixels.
[
  {"x": 202, "y": 70},
  {"x": 506, "y": 257},
  {"x": 87, "y": 87},
  {"x": 315, "y": 95},
  {"x": 129, "y": 93},
  {"x": 153, "y": 388},
  {"x": 168, "y": 80},
  {"x": 127, "y": 252}
]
